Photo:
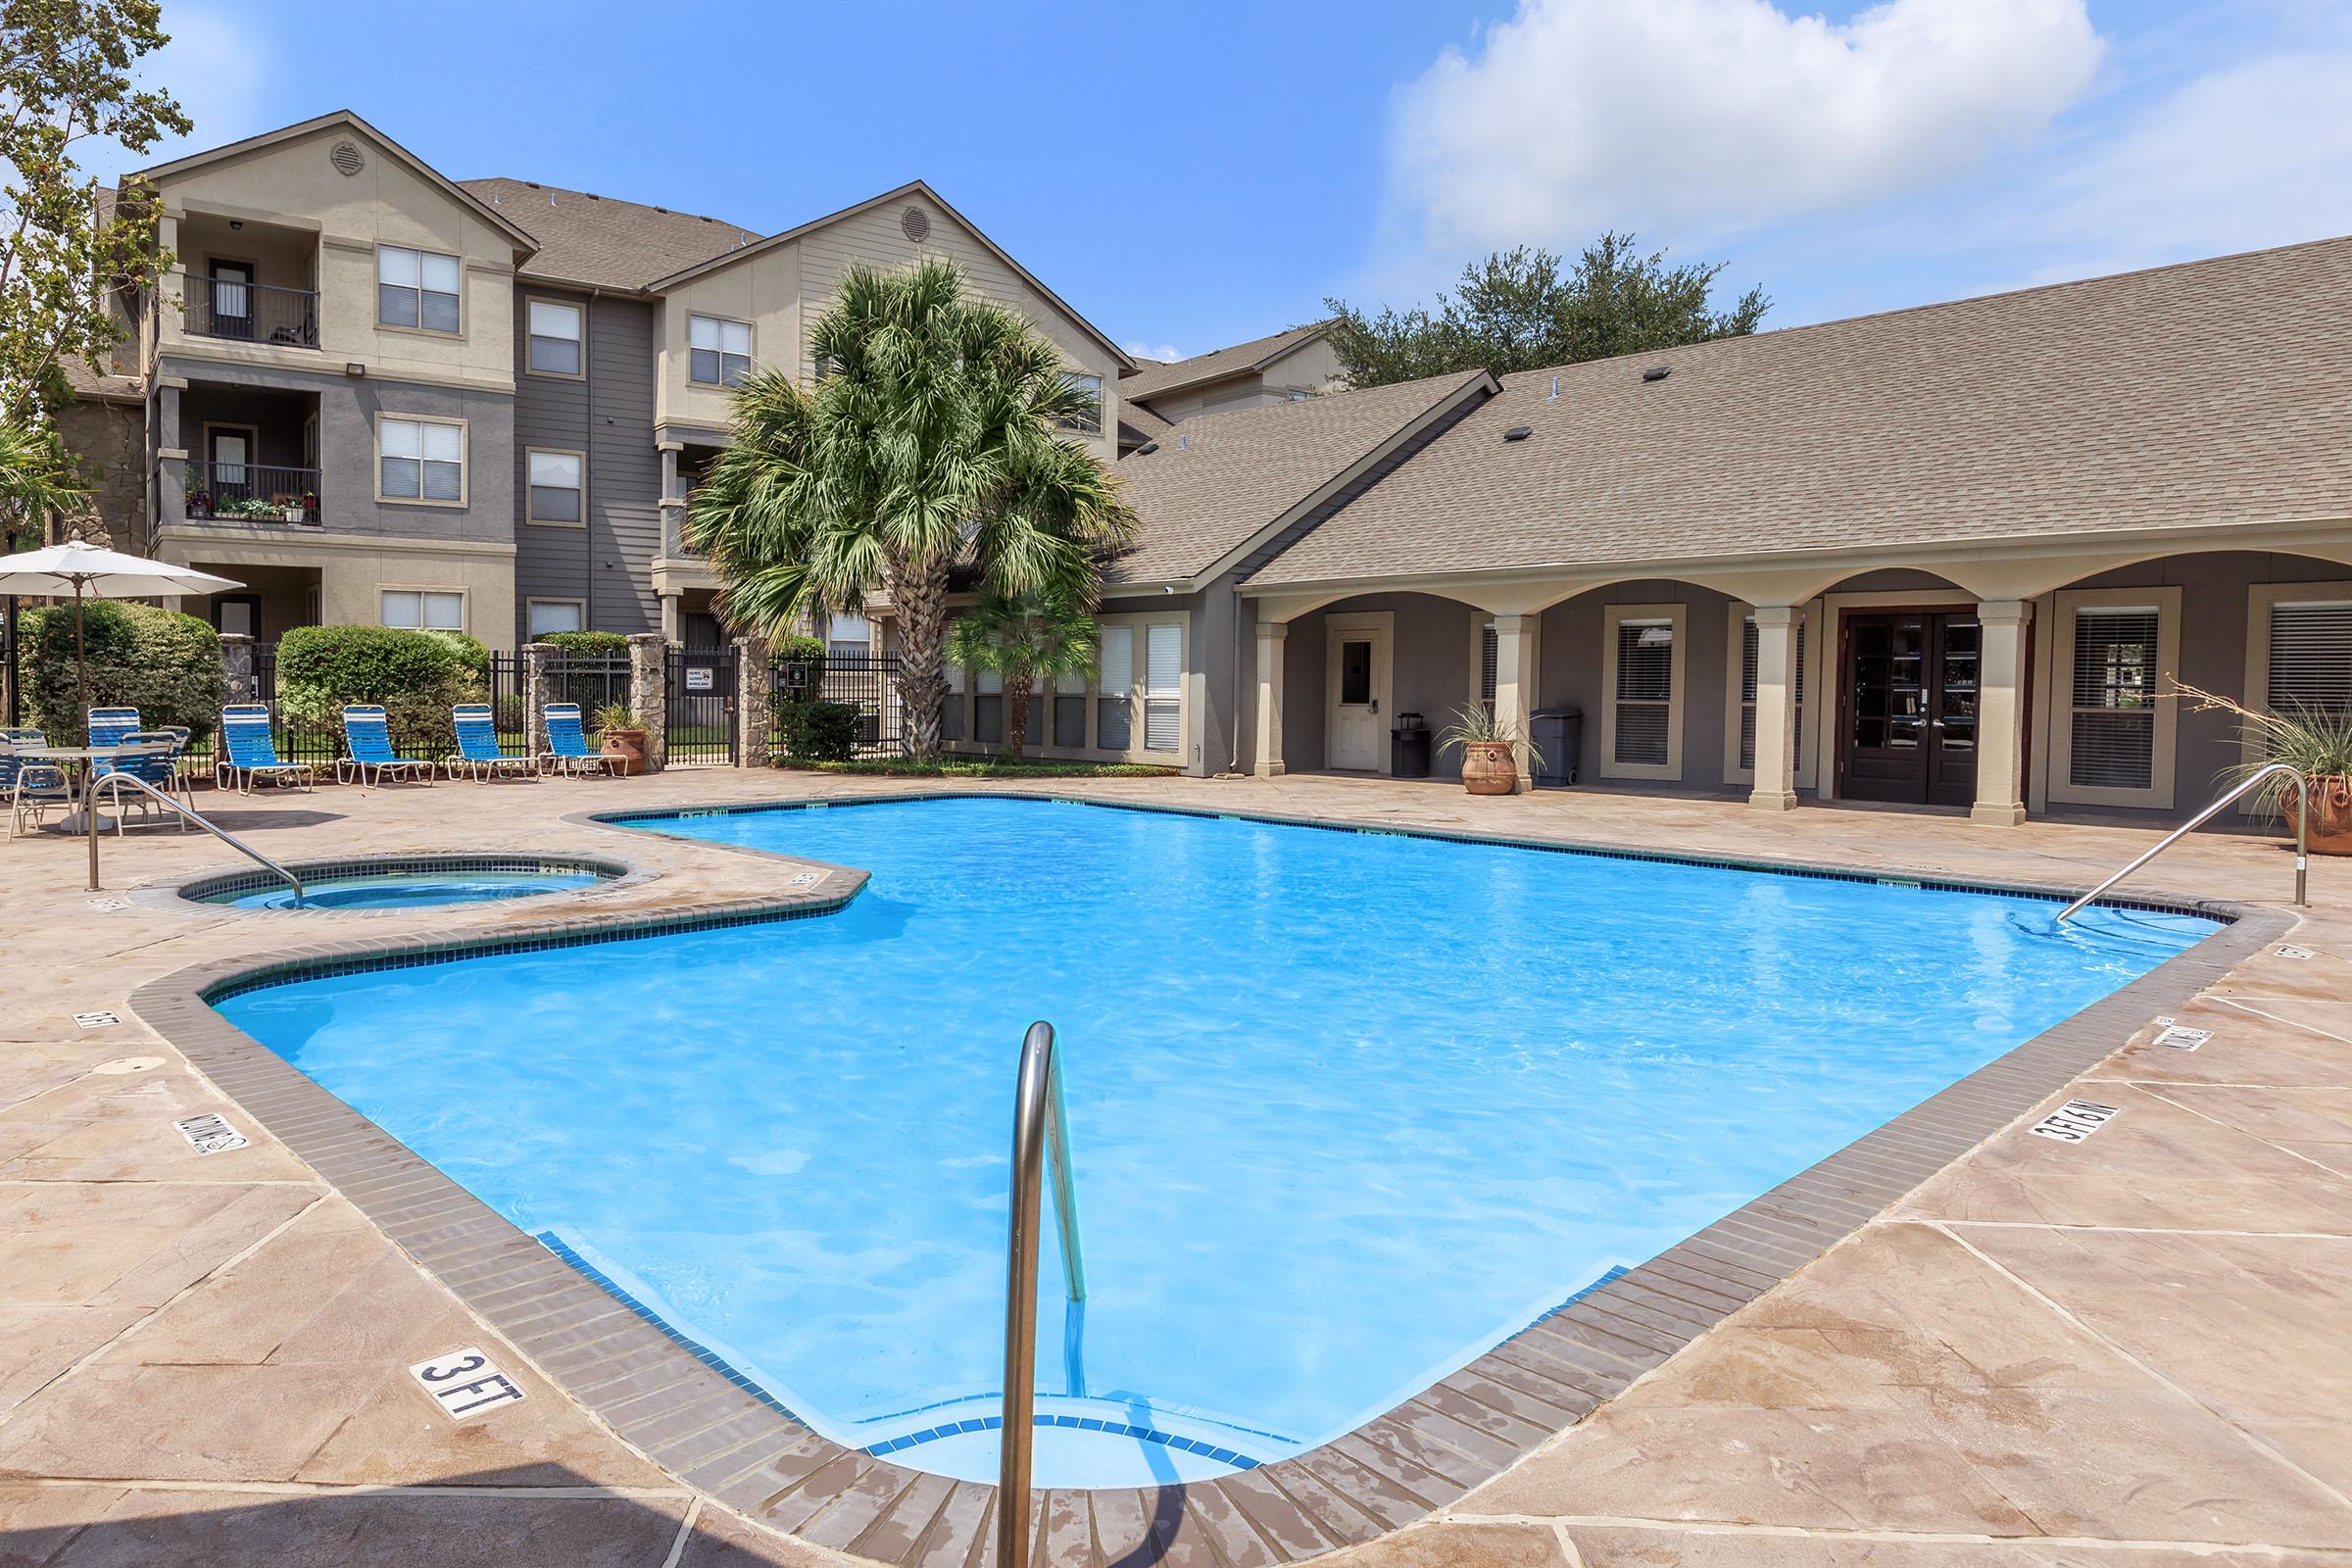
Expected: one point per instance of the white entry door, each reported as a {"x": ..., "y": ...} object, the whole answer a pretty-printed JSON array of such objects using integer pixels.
[{"x": 1358, "y": 662}]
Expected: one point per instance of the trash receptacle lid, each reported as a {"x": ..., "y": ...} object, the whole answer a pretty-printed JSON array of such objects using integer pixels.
[
  {"x": 1557, "y": 713},
  {"x": 1405, "y": 721}
]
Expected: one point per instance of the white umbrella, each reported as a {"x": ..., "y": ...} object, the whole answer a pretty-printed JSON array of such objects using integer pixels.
[{"x": 86, "y": 570}]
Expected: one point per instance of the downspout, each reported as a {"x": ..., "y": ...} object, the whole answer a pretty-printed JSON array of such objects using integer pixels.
[{"x": 1233, "y": 762}]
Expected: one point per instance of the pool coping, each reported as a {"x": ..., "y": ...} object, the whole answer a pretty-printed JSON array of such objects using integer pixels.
[{"x": 690, "y": 1414}]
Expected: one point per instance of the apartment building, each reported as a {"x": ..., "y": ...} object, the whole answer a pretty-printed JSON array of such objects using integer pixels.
[
  {"x": 1286, "y": 366},
  {"x": 374, "y": 393}
]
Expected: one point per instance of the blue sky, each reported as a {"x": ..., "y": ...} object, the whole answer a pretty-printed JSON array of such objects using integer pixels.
[{"x": 1194, "y": 174}]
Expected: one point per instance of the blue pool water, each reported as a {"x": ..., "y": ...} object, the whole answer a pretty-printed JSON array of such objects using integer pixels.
[
  {"x": 403, "y": 890},
  {"x": 1346, "y": 1109}
]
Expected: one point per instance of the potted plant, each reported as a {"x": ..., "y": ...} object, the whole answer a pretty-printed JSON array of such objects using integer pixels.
[
  {"x": 1489, "y": 750},
  {"x": 2316, "y": 743},
  {"x": 200, "y": 503},
  {"x": 622, "y": 736}
]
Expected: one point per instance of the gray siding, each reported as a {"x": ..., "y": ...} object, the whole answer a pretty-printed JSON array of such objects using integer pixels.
[{"x": 550, "y": 563}]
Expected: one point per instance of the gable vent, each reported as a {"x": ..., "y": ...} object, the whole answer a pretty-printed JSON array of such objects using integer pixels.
[
  {"x": 347, "y": 158},
  {"x": 915, "y": 225}
]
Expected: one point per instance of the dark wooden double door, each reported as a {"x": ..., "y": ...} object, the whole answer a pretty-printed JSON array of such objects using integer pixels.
[{"x": 1908, "y": 708}]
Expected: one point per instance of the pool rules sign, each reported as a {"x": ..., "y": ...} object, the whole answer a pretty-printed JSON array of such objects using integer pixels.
[{"x": 465, "y": 1384}]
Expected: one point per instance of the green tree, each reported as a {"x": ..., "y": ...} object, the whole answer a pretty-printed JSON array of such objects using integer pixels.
[
  {"x": 929, "y": 444},
  {"x": 1021, "y": 637},
  {"x": 1518, "y": 310}
]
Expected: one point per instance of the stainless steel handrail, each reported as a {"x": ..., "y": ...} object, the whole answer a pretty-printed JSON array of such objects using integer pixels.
[
  {"x": 2302, "y": 834},
  {"x": 118, "y": 780},
  {"x": 1040, "y": 1122}
]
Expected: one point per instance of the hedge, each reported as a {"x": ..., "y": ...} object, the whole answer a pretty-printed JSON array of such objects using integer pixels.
[
  {"x": 415, "y": 675},
  {"x": 599, "y": 644},
  {"x": 159, "y": 662},
  {"x": 819, "y": 732}
]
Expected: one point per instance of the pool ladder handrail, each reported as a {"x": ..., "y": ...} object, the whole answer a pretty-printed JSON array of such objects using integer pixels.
[
  {"x": 1040, "y": 1128},
  {"x": 118, "y": 780},
  {"x": 2244, "y": 785}
]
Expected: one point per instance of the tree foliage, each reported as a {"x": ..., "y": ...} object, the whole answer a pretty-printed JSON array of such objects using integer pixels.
[
  {"x": 1518, "y": 310},
  {"x": 159, "y": 662},
  {"x": 930, "y": 442},
  {"x": 1021, "y": 637},
  {"x": 416, "y": 676}
]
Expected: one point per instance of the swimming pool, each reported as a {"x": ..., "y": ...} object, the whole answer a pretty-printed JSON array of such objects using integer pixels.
[
  {"x": 406, "y": 882},
  {"x": 1347, "y": 1109}
]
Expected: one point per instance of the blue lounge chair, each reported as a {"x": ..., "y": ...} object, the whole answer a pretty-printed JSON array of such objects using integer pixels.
[
  {"x": 249, "y": 751},
  {"x": 110, "y": 726},
  {"x": 31, "y": 788},
  {"x": 151, "y": 756},
  {"x": 477, "y": 747},
  {"x": 367, "y": 744},
  {"x": 567, "y": 744}
]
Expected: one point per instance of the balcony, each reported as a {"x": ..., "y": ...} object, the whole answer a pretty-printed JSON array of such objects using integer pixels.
[
  {"x": 252, "y": 313},
  {"x": 252, "y": 492}
]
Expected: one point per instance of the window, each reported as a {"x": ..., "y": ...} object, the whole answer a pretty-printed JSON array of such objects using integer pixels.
[
  {"x": 988, "y": 709},
  {"x": 424, "y": 609},
  {"x": 2112, "y": 705},
  {"x": 1641, "y": 683},
  {"x": 1747, "y": 691},
  {"x": 555, "y": 332},
  {"x": 558, "y": 485},
  {"x": 951, "y": 708},
  {"x": 850, "y": 637},
  {"x": 422, "y": 459},
  {"x": 1164, "y": 687},
  {"x": 1114, "y": 721},
  {"x": 1070, "y": 709},
  {"x": 718, "y": 352},
  {"x": 416, "y": 288},
  {"x": 2311, "y": 659},
  {"x": 1490, "y": 659},
  {"x": 1085, "y": 422},
  {"x": 556, "y": 614}
]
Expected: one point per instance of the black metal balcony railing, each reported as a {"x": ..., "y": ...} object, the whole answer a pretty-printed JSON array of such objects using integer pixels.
[
  {"x": 253, "y": 313},
  {"x": 253, "y": 492}
]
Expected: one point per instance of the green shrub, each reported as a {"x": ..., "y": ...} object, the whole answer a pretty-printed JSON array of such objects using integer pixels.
[
  {"x": 819, "y": 732},
  {"x": 414, "y": 675},
  {"x": 602, "y": 644},
  {"x": 159, "y": 662}
]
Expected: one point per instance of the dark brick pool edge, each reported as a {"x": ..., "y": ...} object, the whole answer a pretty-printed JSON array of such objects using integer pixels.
[{"x": 1410, "y": 1461}]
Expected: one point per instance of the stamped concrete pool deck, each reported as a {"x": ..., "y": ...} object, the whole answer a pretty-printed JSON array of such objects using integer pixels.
[{"x": 2130, "y": 1350}]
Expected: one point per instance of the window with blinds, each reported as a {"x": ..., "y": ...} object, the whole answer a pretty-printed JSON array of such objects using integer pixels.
[
  {"x": 2113, "y": 698},
  {"x": 1747, "y": 690},
  {"x": 951, "y": 707},
  {"x": 2311, "y": 659},
  {"x": 1489, "y": 654},
  {"x": 1113, "y": 709},
  {"x": 1164, "y": 687},
  {"x": 1069, "y": 709},
  {"x": 988, "y": 707},
  {"x": 1644, "y": 692}
]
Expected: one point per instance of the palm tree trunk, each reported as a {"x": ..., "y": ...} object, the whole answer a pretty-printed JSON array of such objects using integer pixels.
[
  {"x": 918, "y": 593},
  {"x": 1018, "y": 682}
]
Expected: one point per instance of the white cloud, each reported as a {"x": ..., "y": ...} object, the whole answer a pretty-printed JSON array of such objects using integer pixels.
[
  {"x": 1689, "y": 119},
  {"x": 220, "y": 69},
  {"x": 1138, "y": 348}
]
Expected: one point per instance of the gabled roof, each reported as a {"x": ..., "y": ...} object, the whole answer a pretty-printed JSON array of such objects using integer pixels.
[
  {"x": 345, "y": 117},
  {"x": 1223, "y": 483},
  {"x": 913, "y": 187},
  {"x": 604, "y": 242},
  {"x": 2205, "y": 394},
  {"x": 1158, "y": 379},
  {"x": 1139, "y": 425}
]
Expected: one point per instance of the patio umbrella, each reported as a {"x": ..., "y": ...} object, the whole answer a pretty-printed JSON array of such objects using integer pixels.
[{"x": 86, "y": 570}]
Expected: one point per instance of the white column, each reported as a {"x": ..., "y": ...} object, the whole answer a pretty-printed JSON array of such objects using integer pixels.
[
  {"x": 1271, "y": 638},
  {"x": 1775, "y": 788},
  {"x": 2001, "y": 676},
  {"x": 1515, "y": 685}
]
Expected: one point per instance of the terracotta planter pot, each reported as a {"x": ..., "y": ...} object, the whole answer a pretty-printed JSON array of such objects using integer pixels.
[
  {"x": 1489, "y": 768},
  {"x": 2331, "y": 815},
  {"x": 629, "y": 746}
]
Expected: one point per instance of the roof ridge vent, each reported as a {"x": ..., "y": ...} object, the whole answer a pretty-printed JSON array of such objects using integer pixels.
[
  {"x": 1519, "y": 433},
  {"x": 1657, "y": 373}
]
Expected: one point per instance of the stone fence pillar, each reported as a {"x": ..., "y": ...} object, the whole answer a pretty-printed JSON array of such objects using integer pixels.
[
  {"x": 240, "y": 681},
  {"x": 649, "y": 694},
  {"x": 537, "y": 691},
  {"x": 755, "y": 715}
]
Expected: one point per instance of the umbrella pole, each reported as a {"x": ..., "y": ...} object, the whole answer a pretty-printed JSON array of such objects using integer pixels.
[{"x": 89, "y": 770}]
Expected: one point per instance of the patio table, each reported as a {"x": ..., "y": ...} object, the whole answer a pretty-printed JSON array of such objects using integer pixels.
[{"x": 76, "y": 821}]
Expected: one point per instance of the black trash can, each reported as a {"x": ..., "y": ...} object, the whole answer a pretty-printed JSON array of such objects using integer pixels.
[
  {"x": 1559, "y": 734},
  {"x": 1408, "y": 747}
]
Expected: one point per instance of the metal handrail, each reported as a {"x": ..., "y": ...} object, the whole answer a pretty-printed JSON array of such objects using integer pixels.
[
  {"x": 2302, "y": 834},
  {"x": 118, "y": 780},
  {"x": 1040, "y": 1122}
]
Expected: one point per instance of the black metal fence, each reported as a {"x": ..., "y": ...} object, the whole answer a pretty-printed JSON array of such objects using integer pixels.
[
  {"x": 592, "y": 680},
  {"x": 317, "y": 739},
  {"x": 867, "y": 683},
  {"x": 700, "y": 723}
]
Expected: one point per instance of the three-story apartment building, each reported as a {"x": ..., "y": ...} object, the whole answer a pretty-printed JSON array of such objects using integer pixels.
[{"x": 376, "y": 394}]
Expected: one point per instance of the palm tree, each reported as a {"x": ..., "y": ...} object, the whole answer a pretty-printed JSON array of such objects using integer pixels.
[
  {"x": 1021, "y": 637},
  {"x": 928, "y": 442},
  {"x": 36, "y": 482}
]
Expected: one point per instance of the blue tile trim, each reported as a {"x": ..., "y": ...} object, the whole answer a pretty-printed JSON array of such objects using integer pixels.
[{"x": 1615, "y": 1271}]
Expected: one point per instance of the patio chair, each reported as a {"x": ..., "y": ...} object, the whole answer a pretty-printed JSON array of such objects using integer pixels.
[
  {"x": 151, "y": 756},
  {"x": 477, "y": 747},
  {"x": 567, "y": 744},
  {"x": 31, "y": 788},
  {"x": 367, "y": 745},
  {"x": 110, "y": 726},
  {"x": 249, "y": 751}
]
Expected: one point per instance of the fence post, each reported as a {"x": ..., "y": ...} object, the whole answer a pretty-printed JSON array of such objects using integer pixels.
[
  {"x": 755, "y": 711},
  {"x": 240, "y": 683},
  {"x": 535, "y": 679},
  {"x": 649, "y": 694}
]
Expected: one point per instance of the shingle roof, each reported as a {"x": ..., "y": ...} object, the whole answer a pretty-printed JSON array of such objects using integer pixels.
[
  {"x": 1221, "y": 478},
  {"x": 1137, "y": 425},
  {"x": 2206, "y": 393},
  {"x": 604, "y": 241},
  {"x": 1158, "y": 378}
]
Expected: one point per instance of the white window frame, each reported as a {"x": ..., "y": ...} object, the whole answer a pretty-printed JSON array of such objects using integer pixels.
[
  {"x": 1080, "y": 426},
  {"x": 531, "y": 336},
  {"x": 750, "y": 356},
  {"x": 2261, "y": 599},
  {"x": 418, "y": 256},
  {"x": 531, "y": 487},
  {"x": 420, "y": 592},
  {"x": 1677, "y": 692},
  {"x": 2163, "y": 757},
  {"x": 530, "y": 608},
  {"x": 465, "y": 465},
  {"x": 1808, "y": 700}
]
